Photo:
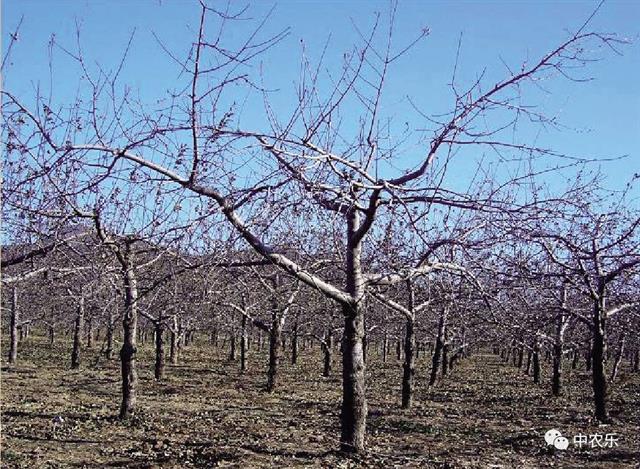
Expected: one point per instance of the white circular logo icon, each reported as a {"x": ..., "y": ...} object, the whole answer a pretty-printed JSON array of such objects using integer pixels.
[
  {"x": 561, "y": 443},
  {"x": 555, "y": 438},
  {"x": 551, "y": 435}
]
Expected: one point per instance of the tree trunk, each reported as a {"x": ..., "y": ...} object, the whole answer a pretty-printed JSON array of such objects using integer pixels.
[
  {"x": 409, "y": 364},
  {"x": 437, "y": 352},
  {"x": 173, "y": 346},
  {"x": 243, "y": 345},
  {"x": 129, "y": 330},
  {"x": 520, "y": 357},
  {"x": 294, "y": 344},
  {"x": 90, "y": 332},
  {"x": 15, "y": 317},
  {"x": 232, "y": 346},
  {"x": 618, "y": 359},
  {"x": 598, "y": 353},
  {"x": 353, "y": 414},
  {"x": 275, "y": 340},
  {"x": 507, "y": 356},
  {"x": 180, "y": 338},
  {"x": 365, "y": 343},
  {"x": 536, "y": 362},
  {"x": 354, "y": 403},
  {"x": 435, "y": 362},
  {"x": 385, "y": 348},
  {"x": 636, "y": 360},
  {"x": 445, "y": 358},
  {"x": 453, "y": 360},
  {"x": 327, "y": 349},
  {"x": 529, "y": 356},
  {"x": 159, "y": 340},
  {"x": 173, "y": 355},
  {"x": 77, "y": 334},
  {"x": 558, "y": 351},
  {"x": 110, "y": 324}
]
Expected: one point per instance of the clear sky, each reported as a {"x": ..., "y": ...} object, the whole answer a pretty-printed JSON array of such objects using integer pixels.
[{"x": 605, "y": 112}]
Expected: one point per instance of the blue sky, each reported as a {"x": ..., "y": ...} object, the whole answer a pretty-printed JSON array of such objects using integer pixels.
[{"x": 605, "y": 112}]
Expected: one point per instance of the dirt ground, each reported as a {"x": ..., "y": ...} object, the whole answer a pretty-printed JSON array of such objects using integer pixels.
[{"x": 206, "y": 414}]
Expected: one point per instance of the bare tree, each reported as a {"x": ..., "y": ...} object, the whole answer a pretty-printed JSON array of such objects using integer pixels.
[{"x": 595, "y": 251}]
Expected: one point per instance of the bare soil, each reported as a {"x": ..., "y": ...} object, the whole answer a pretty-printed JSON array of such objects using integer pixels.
[{"x": 207, "y": 414}]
